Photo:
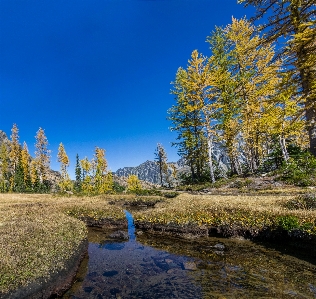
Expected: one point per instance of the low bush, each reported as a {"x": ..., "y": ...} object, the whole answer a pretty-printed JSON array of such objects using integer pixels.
[
  {"x": 304, "y": 202},
  {"x": 300, "y": 171},
  {"x": 170, "y": 194},
  {"x": 288, "y": 222}
]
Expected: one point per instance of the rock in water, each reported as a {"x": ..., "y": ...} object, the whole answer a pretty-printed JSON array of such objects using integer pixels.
[{"x": 189, "y": 266}]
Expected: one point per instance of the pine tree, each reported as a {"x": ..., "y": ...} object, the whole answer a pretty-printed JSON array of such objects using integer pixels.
[
  {"x": 18, "y": 178},
  {"x": 161, "y": 160},
  {"x": 42, "y": 155},
  {"x": 4, "y": 168},
  {"x": 78, "y": 173}
]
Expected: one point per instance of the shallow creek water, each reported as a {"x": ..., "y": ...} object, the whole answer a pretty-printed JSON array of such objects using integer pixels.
[{"x": 156, "y": 266}]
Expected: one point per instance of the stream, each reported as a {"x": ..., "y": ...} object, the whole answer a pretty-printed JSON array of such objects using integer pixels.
[{"x": 125, "y": 265}]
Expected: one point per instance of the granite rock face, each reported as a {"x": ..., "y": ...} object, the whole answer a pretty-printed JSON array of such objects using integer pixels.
[
  {"x": 3, "y": 138},
  {"x": 147, "y": 171}
]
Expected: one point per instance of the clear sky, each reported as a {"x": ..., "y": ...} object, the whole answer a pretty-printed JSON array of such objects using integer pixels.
[{"x": 98, "y": 72}]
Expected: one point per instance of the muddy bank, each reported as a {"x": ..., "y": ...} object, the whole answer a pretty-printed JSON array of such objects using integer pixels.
[
  {"x": 295, "y": 238},
  {"x": 104, "y": 222},
  {"x": 57, "y": 283}
]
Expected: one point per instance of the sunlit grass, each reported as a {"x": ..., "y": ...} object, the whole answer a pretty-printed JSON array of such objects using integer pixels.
[
  {"x": 39, "y": 233},
  {"x": 38, "y": 237},
  {"x": 247, "y": 212}
]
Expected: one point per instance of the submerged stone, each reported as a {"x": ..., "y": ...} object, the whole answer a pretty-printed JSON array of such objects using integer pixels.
[
  {"x": 219, "y": 246},
  {"x": 113, "y": 246},
  {"x": 119, "y": 235},
  {"x": 110, "y": 273},
  {"x": 189, "y": 266},
  {"x": 88, "y": 289}
]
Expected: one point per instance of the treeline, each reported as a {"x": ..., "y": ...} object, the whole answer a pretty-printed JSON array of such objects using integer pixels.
[
  {"x": 247, "y": 98},
  {"x": 20, "y": 172}
]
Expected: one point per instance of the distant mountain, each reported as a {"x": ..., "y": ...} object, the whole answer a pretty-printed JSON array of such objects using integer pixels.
[
  {"x": 149, "y": 170},
  {"x": 3, "y": 137}
]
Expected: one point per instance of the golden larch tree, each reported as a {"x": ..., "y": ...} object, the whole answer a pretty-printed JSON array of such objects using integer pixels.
[
  {"x": 65, "y": 184},
  {"x": 25, "y": 161},
  {"x": 15, "y": 148},
  {"x": 133, "y": 183}
]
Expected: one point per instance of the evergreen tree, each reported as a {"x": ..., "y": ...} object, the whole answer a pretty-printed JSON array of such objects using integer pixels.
[
  {"x": 18, "y": 178},
  {"x": 4, "y": 168},
  {"x": 161, "y": 160},
  {"x": 42, "y": 155},
  {"x": 78, "y": 173}
]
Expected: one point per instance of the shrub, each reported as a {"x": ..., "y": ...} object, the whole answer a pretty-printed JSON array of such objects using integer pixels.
[
  {"x": 300, "y": 171},
  {"x": 288, "y": 222},
  {"x": 117, "y": 187},
  {"x": 240, "y": 184},
  {"x": 170, "y": 194},
  {"x": 133, "y": 184},
  {"x": 304, "y": 202}
]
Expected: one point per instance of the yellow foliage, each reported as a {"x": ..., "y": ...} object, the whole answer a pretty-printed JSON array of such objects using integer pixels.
[
  {"x": 133, "y": 183},
  {"x": 25, "y": 160}
]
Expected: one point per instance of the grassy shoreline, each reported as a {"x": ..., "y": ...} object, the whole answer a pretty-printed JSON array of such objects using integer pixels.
[
  {"x": 39, "y": 233},
  {"x": 239, "y": 213},
  {"x": 38, "y": 236}
]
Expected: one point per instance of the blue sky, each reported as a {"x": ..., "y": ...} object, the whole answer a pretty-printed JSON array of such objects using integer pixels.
[{"x": 98, "y": 72}]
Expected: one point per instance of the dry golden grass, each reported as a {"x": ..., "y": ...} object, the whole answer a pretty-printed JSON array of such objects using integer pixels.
[
  {"x": 38, "y": 237},
  {"x": 213, "y": 210}
]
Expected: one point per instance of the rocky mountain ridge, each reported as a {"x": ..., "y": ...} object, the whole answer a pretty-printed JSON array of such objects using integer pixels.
[{"x": 149, "y": 170}]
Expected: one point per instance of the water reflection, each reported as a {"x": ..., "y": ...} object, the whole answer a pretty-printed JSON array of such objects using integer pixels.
[
  {"x": 160, "y": 267},
  {"x": 130, "y": 225}
]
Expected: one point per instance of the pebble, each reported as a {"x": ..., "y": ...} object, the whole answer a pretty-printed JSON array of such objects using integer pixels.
[
  {"x": 189, "y": 266},
  {"x": 219, "y": 246}
]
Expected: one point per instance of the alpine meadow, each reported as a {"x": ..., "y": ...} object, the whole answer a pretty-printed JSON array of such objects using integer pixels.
[{"x": 221, "y": 199}]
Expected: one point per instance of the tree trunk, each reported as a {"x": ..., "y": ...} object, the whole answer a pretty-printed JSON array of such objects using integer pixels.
[
  {"x": 306, "y": 78},
  {"x": 192, "y": 170},
  {"x": 210, "y": 148},
  {"x": 283, "y": 148},
  {"x": 160, "y": 170},
  {"x": 311, "y": 121}
]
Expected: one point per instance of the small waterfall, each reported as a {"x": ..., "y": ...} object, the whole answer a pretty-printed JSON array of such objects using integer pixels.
[{"x": 131, "y": 226}]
